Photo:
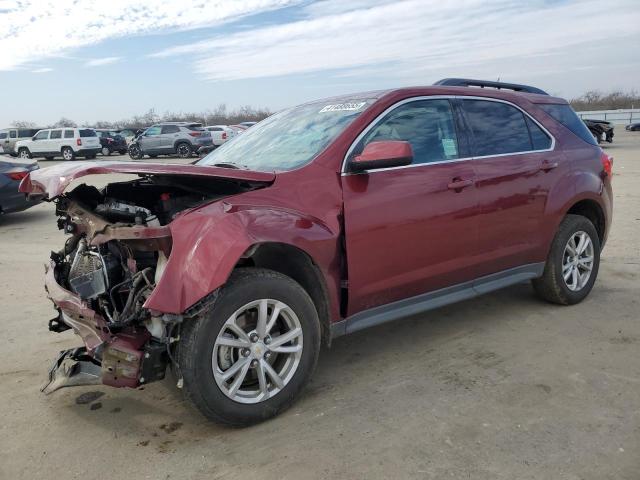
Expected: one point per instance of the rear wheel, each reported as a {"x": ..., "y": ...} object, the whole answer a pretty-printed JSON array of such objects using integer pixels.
[
  {"x": 573, "y": 262},
  {"x": 68, "y": 154},
  {"x": 105, "y": 151},
  {"x": 249, "y": 355},
  {"x": 24, "y": 153},
  {"x": 183, "y": 150}
]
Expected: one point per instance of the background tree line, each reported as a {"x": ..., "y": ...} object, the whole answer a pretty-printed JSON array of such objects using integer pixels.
[
  {"x": 591, "y": 100},
  {"x": 218, "y": 116}
]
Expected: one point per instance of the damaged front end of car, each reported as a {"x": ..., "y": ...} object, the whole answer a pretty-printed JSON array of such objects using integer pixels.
[{"x": 118, "y": 247}]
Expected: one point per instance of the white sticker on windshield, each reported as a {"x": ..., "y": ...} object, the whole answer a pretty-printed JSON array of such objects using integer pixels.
[{"x": 343, "y": 107}]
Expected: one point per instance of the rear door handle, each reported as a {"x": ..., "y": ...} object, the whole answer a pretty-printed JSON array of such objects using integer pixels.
[
  {"x": 458, "y": 184},
  {"x": 547, "y": 166}
]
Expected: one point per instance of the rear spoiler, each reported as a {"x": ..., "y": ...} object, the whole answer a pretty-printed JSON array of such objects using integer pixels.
[{"x": 467, "y": 82}]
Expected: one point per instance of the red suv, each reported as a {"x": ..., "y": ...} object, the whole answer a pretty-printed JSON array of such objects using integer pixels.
[{"x": 322, "y": 220}]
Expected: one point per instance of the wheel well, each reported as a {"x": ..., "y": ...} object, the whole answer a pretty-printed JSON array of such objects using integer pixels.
[
  {"x": 296, "y": 264},
  {"x": 591, "y": 210}
]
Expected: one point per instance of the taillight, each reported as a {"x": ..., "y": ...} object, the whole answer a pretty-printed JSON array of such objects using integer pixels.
[
  {"x": 17, "y": 176},
  {"x": 79, "y": 141},
  {"x": 607, "y": 163},
  {"x": 195, "y": 134},
  {"x": 224, "y": 135}
]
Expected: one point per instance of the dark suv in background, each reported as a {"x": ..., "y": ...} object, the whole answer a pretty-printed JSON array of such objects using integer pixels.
[
  {"x": 319, "y": 221},
  {"x": 110, "y": 142},
  {"x": 171, "y": 138}
]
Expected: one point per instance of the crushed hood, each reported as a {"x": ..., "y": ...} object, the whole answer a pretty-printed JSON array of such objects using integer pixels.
[{"x": 52, "y": 181}]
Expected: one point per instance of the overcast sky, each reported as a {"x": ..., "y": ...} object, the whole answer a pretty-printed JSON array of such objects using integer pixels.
[{"x": 110, "y": 59}]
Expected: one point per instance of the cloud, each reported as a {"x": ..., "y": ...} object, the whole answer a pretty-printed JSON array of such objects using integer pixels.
[
  {"x": 99, "y": 62},
  {"x": 42, "y": 70},
  {"x": 409, "y": 36},
  {"x": 35, "y": 29}
]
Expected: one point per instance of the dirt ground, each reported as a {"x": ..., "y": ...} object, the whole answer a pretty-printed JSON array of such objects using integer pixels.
[{"x": 500, "y": 387}]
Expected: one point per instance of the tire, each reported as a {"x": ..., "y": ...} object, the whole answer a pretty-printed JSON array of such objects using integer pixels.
[
  {"x": 105, "y": 151},
  {"x": 68, "y": 154},
  {"x": 184, "y": 150},
  {"x": 199, "y": 353},
  {"x": 552, "y": 286},
  {"x": 135, "y": 152},
  {"x": 24, "y": 153}
]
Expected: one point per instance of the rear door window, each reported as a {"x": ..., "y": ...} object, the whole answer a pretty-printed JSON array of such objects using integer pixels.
[
  {"x": 87, "y": 132},
  {"x": 497, "y": 128},
  {"x": 56, "y": 134},
  {"x": 567, "y": 117},
  {"x": 428, "y": 125},
  {"x": 170, "y": 129},
  {"x": 68, "y": 134},
  {"x": 539, "y": 138}
]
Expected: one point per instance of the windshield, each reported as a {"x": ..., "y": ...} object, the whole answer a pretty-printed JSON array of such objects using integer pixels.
[{"x": 288, "y": 139}]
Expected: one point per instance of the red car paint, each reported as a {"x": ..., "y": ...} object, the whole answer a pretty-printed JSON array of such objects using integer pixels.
[{"x": 404, "y": 233}]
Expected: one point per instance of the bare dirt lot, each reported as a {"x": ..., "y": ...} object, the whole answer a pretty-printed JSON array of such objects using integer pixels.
[{"x": 500, "y": 387}]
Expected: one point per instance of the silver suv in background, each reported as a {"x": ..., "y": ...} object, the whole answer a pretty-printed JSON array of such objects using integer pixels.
[
  {"x": 9, "y": 137},
  {"x": 173, "y": 138}
]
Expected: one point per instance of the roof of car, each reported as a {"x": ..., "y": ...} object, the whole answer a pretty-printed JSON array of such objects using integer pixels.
[{"x": 430, "y": 90}]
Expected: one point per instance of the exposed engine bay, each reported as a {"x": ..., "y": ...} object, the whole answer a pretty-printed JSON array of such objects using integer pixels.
[{"x": 116, "y": 253}]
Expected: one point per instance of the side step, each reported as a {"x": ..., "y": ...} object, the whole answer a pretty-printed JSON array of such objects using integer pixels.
[{"x": 71, "y": 369}]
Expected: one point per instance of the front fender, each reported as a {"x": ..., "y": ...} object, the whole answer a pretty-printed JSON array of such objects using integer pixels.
[{"x": 208, "y": 242}]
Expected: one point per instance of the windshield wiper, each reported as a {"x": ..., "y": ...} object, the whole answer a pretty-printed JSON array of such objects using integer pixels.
[{"x": 226, "y": 165}]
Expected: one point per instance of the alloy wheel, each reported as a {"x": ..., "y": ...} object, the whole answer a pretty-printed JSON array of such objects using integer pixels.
[
  {"x": 577, "y": 261},
  {"x": 257, "y": 351}
]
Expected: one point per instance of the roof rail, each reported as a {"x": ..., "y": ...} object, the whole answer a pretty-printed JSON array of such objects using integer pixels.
[{"x": 467, "y": 82}]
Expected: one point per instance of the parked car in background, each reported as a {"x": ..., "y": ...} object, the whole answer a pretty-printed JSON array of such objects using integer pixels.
[
  {"x": 238, "y": 129},
  {"x": 248, "y": 124},
  {"x": 600, "y": 129},
  {"x": 170, "y": 138},
  {"x": 9, "y": 137},
  {"x": 67, "y": 143},
  {"x": 633, "y": 127},
  {"x": 11, "y": 174},
  {"x": 111, "y": 141},
  {"x": 220, "y": 133},
  {"x": 128, "y": 134},
  {"x": 363, "y": 209}
]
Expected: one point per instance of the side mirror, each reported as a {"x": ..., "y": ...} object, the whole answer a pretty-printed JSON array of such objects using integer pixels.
[{"x": 383, "y": 154}]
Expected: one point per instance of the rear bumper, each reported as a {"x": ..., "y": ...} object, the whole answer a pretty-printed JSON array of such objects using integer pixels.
[
  {"x": 11, "y": 200},
  {"x": 83, "y": 152}
]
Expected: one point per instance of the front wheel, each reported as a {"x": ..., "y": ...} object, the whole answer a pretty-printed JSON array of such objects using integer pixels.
[
  {"x": 68, "y": 154},
  {"x": 24, "y": 153},
  {"x": 135, "y": 152},
  {"x": 573, "y": 262},
  {"x": 248, "y": 356}
]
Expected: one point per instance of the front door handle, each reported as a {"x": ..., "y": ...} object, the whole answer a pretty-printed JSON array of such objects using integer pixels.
[
  {"x": 458, "y": 184},
  {"x": 548, "y": 166}
]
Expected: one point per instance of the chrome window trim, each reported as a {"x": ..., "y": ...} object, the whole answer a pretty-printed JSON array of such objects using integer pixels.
[{"x": 441, "y": 97}]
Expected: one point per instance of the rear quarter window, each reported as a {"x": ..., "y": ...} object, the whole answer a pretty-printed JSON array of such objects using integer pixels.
[
  {"x": 86, "y": 132},
  {"x": 567, "y": 117}
]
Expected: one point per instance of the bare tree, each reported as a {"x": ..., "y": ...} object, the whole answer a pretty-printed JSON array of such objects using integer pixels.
[
  {"x": 23, "y": 124},
  {"x": 596, "y": 100},
  {"x": 64, "y": 122}
]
